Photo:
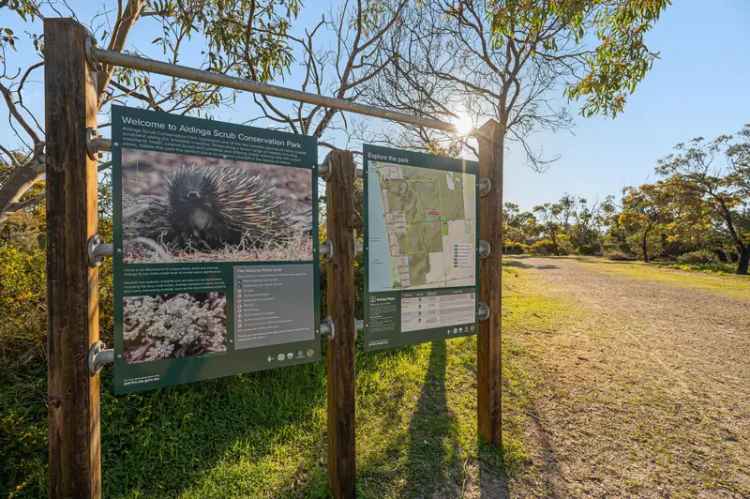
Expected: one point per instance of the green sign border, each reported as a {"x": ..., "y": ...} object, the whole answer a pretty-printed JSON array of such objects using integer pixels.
[
  {"x": 209, "y": 366},
  {"x": 397, "y": 338}
]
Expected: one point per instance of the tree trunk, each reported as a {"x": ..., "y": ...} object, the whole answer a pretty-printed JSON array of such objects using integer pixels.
[
  {"x": 130, "y": 15},
  {"x": 644, "y": 244},
  {"x": 553, "y": 236},
  {"x": 744, "y": 261},
  {"x": 25, "y": 176},
  {"x": 743, "y": 251},
  {"x": 665, "y": 250},
  {"x": 21, "y": 179}
]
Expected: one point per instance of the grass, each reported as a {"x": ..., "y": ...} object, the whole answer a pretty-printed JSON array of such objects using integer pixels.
[
  {"x": 733, "y": 286},
  {"x": 709, "y": 268},
  {"x": 530, "y": 317},
  {"x": 636, "y": 385},
  {"x": 264, "y": 434}
]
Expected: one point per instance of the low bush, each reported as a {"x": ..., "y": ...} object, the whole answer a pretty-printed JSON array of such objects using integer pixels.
[
  {"x": 699, "y": 257},
  {"x": 619, "y": 256},
  {"x": 590, "y": 249},
  {"x": 545, "y": 247},
  {"x": 22, "y": 305},
  {"x": 514, "y": 248}
]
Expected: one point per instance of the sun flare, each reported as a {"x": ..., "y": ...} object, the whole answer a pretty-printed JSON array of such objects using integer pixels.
[{"x": 463, "y": 122}]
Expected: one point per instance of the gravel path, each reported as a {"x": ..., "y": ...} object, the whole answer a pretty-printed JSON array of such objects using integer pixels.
[{"x": 644, "y": 389}]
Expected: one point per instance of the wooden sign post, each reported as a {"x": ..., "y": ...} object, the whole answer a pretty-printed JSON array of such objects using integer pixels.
[
  {"x": 490, "y": 230},
  {"x": 340, "y": 293},
  {"x": 72, "y": 286}
]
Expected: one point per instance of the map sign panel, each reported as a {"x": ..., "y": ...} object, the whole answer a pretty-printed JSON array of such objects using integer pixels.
[
  {"x": 420, "y": 247},
  {"x": 216, "y": 249}
]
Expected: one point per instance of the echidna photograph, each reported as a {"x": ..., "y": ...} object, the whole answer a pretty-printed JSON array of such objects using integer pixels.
[
  {"x": 170, "y": 326},
  {"x": 178, "y": 207}
]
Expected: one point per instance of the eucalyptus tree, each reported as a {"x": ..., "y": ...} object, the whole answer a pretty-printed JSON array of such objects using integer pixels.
[
  {"x": 519, "y": 226},
  {"x": 550, "y": 217},
  {"x": 716, "y": 173},
  {"x": 338, "y": 55},
  {"x": 244, "y": 37},
  {"x": 585, "y": 233},
  {"x": 643, "y": 211},
  {"x": 513, "y": 61}
]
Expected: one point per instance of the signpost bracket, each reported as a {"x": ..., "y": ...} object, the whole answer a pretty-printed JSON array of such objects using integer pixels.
[
  {"x": 328, "y": 328},
  {"x": 326, "y": 249},
  {"x": 100, "y": 356},
  {"x": 98, "y": 249},
  {"x": 95, "y": 143},
  {"x": 483, "y": 311},
  {"x": 485, "y": 248},
  {"x": 485, "y": 186}
]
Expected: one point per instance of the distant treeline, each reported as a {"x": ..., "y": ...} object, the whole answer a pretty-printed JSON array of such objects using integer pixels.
[{"x": 697, "y": 213}]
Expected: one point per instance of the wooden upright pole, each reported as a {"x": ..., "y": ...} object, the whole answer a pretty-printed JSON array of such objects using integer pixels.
[
  {"x": 72, "y": 286},
  {"x": 490, "y": 230},
  {"x": 340, "y": 300}
]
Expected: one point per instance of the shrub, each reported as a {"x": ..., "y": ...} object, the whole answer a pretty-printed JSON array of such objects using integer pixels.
[
  {"x": 22, "y": 304},
  {"x": 544, "y": 247},
  {"x": 514, "y": 248},
  {"x": 619, "y": 256},
  {"x": 590, "y": 249},
  {"x": 699, "y": 257}
]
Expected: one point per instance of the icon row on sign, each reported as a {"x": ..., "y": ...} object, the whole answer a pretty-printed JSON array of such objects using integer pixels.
[
  {"x": 461, "y": 329},
  {"x": 300, "y": 354}
]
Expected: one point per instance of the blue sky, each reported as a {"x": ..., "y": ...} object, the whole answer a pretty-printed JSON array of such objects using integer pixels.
[{"x": 699, "y": 87}]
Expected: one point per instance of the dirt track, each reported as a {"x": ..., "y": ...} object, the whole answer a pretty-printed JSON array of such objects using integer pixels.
[{"x": 643, "y": 390}]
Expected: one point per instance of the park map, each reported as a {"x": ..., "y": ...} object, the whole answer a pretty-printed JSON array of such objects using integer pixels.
[{"x": 430, "y": 223}]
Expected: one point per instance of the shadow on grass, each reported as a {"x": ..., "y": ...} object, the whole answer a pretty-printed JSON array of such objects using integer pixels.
[
  {"x": 523, "y": 265},
  {"x": 263, "y": 434},
  {"x": 493, "y": 481},
  {"x": 601, "y": 259},
  {"x": 432, "y": 460},
  {"x": 426, "y": 460}
]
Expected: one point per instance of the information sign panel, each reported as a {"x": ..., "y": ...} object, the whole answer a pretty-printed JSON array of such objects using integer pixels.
[
  {"x": 216, "y": 249},
  {"x": 421, "y": 244}
]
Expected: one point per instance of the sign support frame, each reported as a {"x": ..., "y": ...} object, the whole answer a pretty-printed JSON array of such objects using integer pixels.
[
  {"x": 489, "y": 367},
  {"x": 74, "y": 448},
  {"x": 340, "y": 299},
  {"x": 72, "y": 284}
]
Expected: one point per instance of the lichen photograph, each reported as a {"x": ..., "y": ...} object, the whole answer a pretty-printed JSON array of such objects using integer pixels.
[
  {"x": 178, "y": 208},
  {"x": 170, "y": 326}
]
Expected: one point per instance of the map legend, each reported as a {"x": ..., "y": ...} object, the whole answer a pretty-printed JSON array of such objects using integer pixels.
[
  {"x": 463, "y": 256},
  {"x": 436, "y": 310}
]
